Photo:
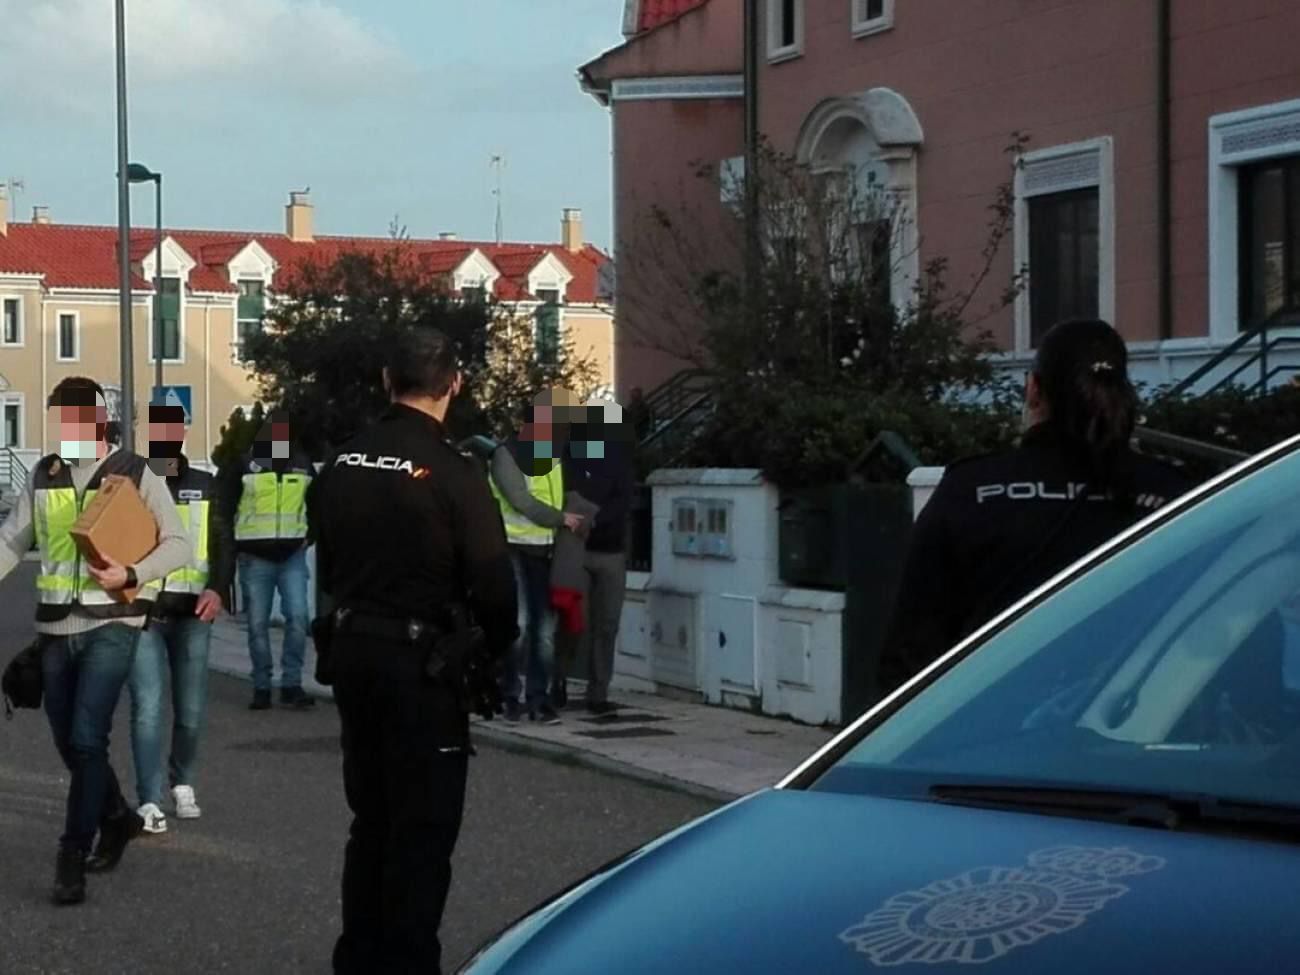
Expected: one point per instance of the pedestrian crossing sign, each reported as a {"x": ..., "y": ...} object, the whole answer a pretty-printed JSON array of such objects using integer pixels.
[{"x": 181, "y": 396}]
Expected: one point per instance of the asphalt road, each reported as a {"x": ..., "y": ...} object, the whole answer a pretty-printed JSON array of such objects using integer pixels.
[{"x": 253, "y": 886}]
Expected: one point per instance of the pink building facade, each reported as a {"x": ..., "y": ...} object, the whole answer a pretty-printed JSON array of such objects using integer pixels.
[{"x": 1166, "y": 201}]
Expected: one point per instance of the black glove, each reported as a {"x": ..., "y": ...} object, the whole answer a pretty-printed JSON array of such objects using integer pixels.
[{"x": 322, "y": 635}]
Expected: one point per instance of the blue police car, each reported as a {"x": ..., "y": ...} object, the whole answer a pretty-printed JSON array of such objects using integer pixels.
[{"x": 1105, "y": 779}]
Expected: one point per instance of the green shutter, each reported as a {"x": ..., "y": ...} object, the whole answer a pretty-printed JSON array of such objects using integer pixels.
[{"x": 548, "y": 333}]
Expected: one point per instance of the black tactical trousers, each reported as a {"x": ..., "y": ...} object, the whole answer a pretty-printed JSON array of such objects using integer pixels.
[{"x": 405, "y": 749}]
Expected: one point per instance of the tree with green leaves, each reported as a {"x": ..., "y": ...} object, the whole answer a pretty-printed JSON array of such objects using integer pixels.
[
  {"x": 322, "y": 350},
  {"x": 238, "y": 434}
]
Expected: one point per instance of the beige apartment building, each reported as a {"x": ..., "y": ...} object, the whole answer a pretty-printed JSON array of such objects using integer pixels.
[{"x": 59, "y": 308}]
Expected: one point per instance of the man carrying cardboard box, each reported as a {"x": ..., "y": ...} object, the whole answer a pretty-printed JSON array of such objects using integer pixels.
[{"x": 88, "y": 627}]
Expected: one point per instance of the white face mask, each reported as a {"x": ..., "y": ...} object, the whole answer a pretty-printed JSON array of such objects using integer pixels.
[{"x": 75, "y": 451}]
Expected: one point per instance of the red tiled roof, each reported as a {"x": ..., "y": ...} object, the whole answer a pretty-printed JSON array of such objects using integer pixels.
[
  {"x": 86, "y": 257},
  {"x": 656, "y": 13}
]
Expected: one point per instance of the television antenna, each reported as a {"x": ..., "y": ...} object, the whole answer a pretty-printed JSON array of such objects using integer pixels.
[
  {"x": 498, "y": 164},
  {"x": 15, "y": 185}
]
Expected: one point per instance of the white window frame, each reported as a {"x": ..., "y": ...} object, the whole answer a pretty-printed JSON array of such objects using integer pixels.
[
  {"x": 1238, "y": 139},
  {"x": 22, "y": 323},
  {"x": 864, "y": 26},
  {"x": 776, "y": 51},
  {"x": 1059, "y": 169},
  {"x": 20, "y": 400},
  {"x": 180, "y": 324},
  {"x": 236, "y": 338},
  {"x": 59, "y": 315}
]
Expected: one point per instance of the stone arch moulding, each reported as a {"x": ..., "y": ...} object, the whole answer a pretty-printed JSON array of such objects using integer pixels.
[
  {"x": 877, "y": 129},
  {"x": 883, "y": 112}
]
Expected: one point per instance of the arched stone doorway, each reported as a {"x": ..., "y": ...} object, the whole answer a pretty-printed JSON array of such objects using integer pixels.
[{"x": 873, "y": 138}]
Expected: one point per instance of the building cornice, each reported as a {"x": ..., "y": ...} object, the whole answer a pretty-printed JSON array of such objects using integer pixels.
[{"x": 676, "y": 88}]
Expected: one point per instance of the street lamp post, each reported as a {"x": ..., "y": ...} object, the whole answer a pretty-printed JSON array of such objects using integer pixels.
[
  {"x": 142, "y": 174},
  {"x": 124, "y": 241}
]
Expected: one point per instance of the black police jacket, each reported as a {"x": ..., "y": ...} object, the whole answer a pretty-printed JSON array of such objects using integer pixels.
[
  {"x": 996, "y": 528},
  {"x": 405, "y": 525}
]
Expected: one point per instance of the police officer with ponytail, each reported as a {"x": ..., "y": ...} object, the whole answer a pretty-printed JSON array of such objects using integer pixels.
[{"x": 1000, "y": 525}]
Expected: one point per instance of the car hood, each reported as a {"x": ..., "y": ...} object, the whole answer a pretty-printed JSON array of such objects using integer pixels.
[{"x": 825, "y": 883}]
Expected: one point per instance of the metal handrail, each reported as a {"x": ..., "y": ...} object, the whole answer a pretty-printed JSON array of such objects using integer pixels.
[
  {"x": 700, "y": 400},
  {"x": 11, "y": 465},
  {"x": 1260, "y": 332}
]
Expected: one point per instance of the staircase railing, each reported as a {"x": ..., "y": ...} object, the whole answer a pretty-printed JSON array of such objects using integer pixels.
[
  {"x": 13, "y": 472},
  {"x": 1266, "y": 343},
  {"x": 674, "y": 397}
]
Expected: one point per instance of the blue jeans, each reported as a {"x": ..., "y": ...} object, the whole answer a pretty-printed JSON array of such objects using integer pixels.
[
  {"x": 259, "y": 579},
  {"x": 180, "y": 645},
  {"x": 84, "y": 674},
  {"x": 535, "y": 647}
]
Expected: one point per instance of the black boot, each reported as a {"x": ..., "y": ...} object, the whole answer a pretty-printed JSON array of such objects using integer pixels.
[
  {"x": 261, "y": 701},
  {"x": 114, "y": 835},
  {"x": 296, "y": 698},
  {"x": 70, "y": 877}
]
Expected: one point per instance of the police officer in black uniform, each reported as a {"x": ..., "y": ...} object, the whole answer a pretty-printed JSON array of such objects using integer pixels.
[
  {"x": 410, "y": 545},
  {"x": 1000, "y": 525}
]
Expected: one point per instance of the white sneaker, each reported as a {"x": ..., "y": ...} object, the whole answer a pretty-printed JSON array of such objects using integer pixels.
[
  {"x": 186, "y": 807},
  {"x": 154, "y": 820}
]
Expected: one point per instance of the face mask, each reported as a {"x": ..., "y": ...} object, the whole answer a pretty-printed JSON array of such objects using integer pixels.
[{"x": 75, "y": 451}]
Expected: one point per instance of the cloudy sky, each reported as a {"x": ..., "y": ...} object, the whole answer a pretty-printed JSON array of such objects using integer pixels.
[{"x": 382, "y": 107}]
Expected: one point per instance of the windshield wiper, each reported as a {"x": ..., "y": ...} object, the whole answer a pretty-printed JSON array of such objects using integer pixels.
[{"x": 1190, "y": 812}]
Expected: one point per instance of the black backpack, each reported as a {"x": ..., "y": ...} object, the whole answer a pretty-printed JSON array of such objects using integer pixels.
[{"x": 23, "y": 682}]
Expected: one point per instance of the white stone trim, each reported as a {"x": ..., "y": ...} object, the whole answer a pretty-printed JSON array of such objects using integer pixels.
[
  {"x": 550, "y": 274},
  {"x": 1060, "y": 169},
  {"x": 676, "y": 88},
  {"x": 176, "y": 263},
  {"x": 75, "y": 315},
  {"x": 776, "y": 51},
  {"x": 22, "y": 321},
  {"x": 864, "y": 26},
  {"x": 1238, "y": 139},
  {"x": 253, "y": 262},
  {"x": 476, "y": 271}
]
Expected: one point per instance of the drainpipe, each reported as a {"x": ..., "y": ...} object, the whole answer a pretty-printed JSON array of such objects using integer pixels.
[
  {"x": 45, "y": 382},
  {"x": 752, "y": 240},
  {"x": 1164, "y": 167},
  {"x": 207, "y": 380}
]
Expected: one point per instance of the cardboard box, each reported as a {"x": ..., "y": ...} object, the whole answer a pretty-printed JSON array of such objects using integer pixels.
[{"x": 117, "y": 523}]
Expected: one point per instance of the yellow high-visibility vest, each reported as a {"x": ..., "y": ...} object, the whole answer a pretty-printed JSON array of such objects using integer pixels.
[
  {"x": 273, "y": 507},
  {"x": 64, "y": 579},
  {"x": 546, "y": 488}
]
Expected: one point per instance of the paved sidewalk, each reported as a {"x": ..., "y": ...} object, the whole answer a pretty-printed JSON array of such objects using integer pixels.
[{"x": 711, "y": 751}]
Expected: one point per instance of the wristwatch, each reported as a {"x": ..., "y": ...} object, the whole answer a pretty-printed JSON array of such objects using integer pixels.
[{"x": 132, "y": 582}]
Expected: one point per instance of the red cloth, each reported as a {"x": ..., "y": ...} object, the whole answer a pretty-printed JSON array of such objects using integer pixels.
[{"x": 568, "y": 603}]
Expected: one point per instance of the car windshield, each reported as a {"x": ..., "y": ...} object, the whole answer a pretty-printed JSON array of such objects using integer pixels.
[{"x": 1171, "y": 667}]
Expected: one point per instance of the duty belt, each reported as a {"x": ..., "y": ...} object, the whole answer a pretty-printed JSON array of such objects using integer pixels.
[{"x": 394, "y": 629}]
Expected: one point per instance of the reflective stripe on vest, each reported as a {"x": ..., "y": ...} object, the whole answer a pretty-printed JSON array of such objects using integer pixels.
[
  {"x": 272, "y": 508},
  {"x": 546, "y": 488},
  {"x": 193, "y": 578},
  {"x": 65, "y": 577}
]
